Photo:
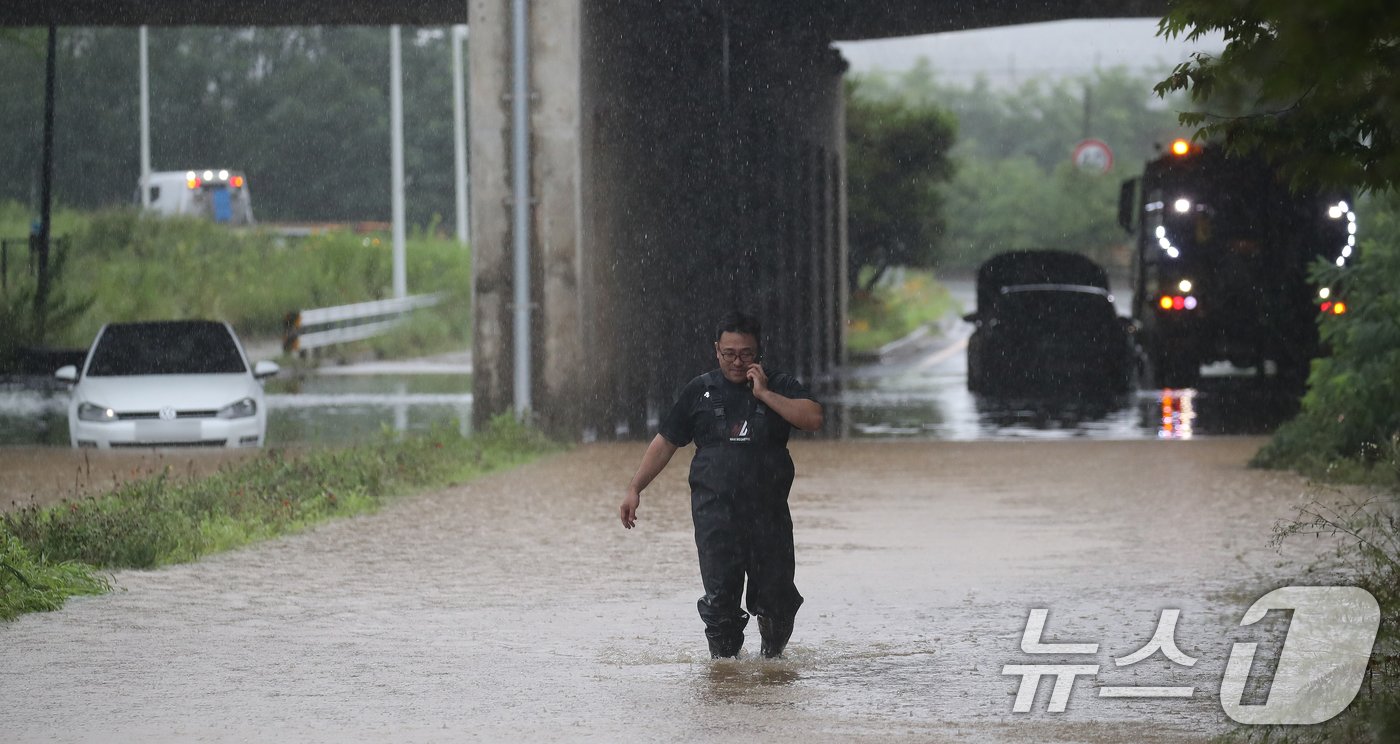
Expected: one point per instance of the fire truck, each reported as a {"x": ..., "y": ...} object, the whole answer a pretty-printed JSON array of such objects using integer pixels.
[{"x": 1220, "y": 269}]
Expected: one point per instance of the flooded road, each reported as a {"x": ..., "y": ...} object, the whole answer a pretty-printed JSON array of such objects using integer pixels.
[
  {"x": 920, "y": 391},
  {"x": 917, "y": 391},
  {"x": 516, "y": 608}
]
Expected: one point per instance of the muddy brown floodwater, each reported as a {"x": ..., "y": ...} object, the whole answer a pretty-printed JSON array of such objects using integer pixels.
[
  {"x": 516, "y": 608},
  {"x": 43, "y": 476}
]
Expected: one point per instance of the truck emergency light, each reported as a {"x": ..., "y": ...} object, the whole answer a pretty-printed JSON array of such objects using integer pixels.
[{"x": 1177, "y": 302}]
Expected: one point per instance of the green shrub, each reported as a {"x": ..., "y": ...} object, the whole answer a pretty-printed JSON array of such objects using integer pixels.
[
  {"x": 29, "y": 585},
  {"x": 1351, "y": 411},
  {"x": 125, "y": 266},
  {"x": 894, "y": 309}
]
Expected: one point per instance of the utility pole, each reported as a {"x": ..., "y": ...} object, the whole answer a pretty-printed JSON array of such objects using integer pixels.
[
  {"x": 459, "y": 129},
  {"x": 145, "y": 118},
  {"x": 396, "y": 158},
  {"x": 1088, "y": 110},
  {"x": 41, "y": 241},
  {"x": 520, "y": 208}
]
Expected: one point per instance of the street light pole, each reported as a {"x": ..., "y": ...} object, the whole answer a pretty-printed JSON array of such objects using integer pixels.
[
  {"x": 145, "y": 118},
  {"x": 396, "y": 158},
  {"x": 459, "y": 129},
  {"x": 520, "y": 168}
]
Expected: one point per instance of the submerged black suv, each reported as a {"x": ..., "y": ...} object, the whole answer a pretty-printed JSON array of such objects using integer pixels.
[{"x": 1046, "y": 327}]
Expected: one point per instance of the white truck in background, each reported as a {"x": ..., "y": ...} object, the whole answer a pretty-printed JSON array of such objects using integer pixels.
[{"x": 217, "y": 194}]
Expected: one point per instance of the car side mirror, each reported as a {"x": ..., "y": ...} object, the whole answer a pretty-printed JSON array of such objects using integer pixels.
[
  {"x": 1127, "y": 204},
  {"x": 66, "y": 373},
  {"x": 265, "y": 369}
]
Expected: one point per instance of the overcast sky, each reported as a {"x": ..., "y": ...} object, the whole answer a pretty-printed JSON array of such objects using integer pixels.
[{"x": 1010, "y": 54}]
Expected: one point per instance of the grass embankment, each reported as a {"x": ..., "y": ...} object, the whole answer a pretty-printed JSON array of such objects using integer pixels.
[
  {"x": 894, "y": 309},
  {"x": 123, "y": 266},
  {"x": 52, "y": 553}
]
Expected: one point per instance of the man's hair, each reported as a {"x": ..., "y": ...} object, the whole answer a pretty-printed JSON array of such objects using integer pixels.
[{"x": 737, "y": 322}]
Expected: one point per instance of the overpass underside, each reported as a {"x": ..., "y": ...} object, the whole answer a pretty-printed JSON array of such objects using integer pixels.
[
  {"x": 685, "y": 161},
  {"x": 687, "y": 158}
]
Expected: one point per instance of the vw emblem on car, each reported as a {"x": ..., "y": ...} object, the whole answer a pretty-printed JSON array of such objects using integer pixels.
[{"x": 167, "y": 414}]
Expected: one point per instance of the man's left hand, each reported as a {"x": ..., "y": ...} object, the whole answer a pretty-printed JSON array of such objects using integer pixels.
[{"x": 758, "y": 377}]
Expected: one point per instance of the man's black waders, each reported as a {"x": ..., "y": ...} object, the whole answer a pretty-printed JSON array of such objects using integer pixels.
[{"x": 739, "y": 493}]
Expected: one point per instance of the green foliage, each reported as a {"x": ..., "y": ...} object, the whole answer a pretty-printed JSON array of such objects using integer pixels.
[
  {"x": 1351, "y": 411},
  {"x": 1013, "y": 187},
  {"x": 20, "y": 314},
  {"x": 30, "y": 585},
  {"x": 894, "y": 308},
  {"x": 1310, "y": 84},
  {"x": 897, "y": 156},
  {"x": 304, "y": 111},
  {"x": 165, "y": 519},
  {"x": 129, "y": 267}
]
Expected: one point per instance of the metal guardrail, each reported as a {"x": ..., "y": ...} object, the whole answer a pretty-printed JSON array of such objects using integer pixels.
[{"x": 343, "y": 324}]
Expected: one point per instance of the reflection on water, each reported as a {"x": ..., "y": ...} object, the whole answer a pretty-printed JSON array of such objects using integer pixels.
[
  {"x": 314, "y": 410},
  {"x": 1220, "y": 405},
  {"x": 333, "y": 410},
  {"x": 747, "y": 680},
  {"x": 880, "y": 402},
  {"x": 935, "y": 404},
  {"x": 33, "y": 416}
]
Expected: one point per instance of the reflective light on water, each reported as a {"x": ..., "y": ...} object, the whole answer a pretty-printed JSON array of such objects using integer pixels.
[{"x": 312, "y": 410}]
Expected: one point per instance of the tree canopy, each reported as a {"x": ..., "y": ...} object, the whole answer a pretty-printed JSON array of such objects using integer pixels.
[
  {"x": 1311, "y": 84},
  {"x": 304, "y": 112},
  {"x": 897, "y": 157},
  {"x": 1013, "y": 186}
]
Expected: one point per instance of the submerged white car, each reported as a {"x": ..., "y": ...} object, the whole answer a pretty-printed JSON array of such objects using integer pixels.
[{"x": 184, "y": 383}]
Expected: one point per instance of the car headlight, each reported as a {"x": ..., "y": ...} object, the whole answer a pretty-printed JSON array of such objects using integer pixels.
[
  {"x": 91, "y": 412},
  {"x": 242, "y": 409}
]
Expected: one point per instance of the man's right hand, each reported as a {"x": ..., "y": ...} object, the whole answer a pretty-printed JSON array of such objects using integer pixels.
[{"x": 629, "y": 508}]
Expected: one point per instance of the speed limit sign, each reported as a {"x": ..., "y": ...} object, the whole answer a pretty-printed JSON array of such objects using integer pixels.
[{"x": 1093, "y": 156}]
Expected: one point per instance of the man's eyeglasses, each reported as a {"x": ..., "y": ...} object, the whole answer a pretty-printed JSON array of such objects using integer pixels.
[{"x": 745, "y": 356}]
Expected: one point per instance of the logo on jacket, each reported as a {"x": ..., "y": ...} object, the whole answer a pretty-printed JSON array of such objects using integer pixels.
[{"x": 740, "y": 432}]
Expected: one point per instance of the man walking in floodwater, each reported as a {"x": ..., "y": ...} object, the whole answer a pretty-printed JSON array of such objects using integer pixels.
[{"x": 739, "y": 418}]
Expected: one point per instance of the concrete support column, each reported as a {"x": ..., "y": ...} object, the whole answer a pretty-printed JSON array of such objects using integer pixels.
[
  {"x": 556, "y": 171},
  {"x": 685, "y": 161}
]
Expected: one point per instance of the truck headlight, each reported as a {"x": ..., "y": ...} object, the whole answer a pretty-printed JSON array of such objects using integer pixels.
[
  {"x": 242, "y": 409},
  {"x": 91, "y": 412}
]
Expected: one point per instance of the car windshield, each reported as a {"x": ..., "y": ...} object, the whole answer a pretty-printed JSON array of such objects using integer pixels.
[
  {"x": 173, "y": 348},
  {"x": 1049, "y": 302}
]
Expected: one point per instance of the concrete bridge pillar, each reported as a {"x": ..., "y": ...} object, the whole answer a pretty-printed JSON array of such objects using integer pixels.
[{"x": 685, "y": 160}]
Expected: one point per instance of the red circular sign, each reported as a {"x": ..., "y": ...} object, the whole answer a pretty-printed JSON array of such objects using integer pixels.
[{"x": 1093, "y": 156}]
